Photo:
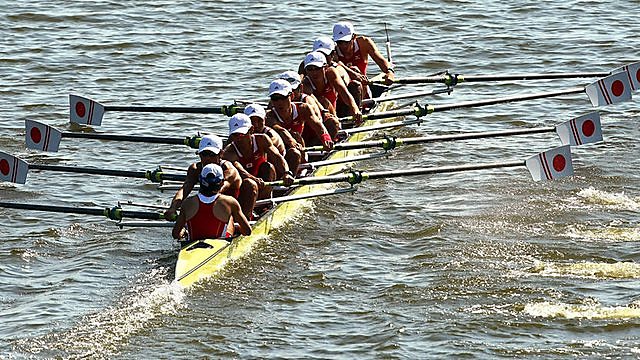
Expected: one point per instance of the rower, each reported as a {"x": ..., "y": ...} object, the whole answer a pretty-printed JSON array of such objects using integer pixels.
[
  {"x": 327, "y": 46},
  {"x": 354, "y": 50},
  {"x": 257, "y": 114},
  {"x": 327, "y": 85},
  {"x": 209, "y": 214},
  {"x": 289, "y": 119},
  {"x": 209, "y": 153},
  {"x": 329, "y": 120},
  {"x": 257, "y": 161}
]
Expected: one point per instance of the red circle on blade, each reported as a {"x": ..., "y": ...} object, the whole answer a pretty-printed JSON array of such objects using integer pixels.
[
  {"x": 638, "y": 75},
  {"x": 588, "y": 128},
  {"x": 617, "y": 88},
  {"x": 4, "y": 167},
  {"x": 36, "y": 135},
  {"x": 80, "y": 109},
  {"x": 559, "y": 162}
]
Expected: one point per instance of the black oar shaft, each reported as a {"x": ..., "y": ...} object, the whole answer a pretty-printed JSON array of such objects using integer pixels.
[
  {"x": 130, "y": 138},
  {"x": 171, "y": 109},
  {"x": 450, "y": 79},
  {"x": 150, "y": 175},
  {"x": 115, "y": 213}
]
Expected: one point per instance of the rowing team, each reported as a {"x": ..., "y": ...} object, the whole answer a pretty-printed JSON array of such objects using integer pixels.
[{"x": 267, "y": 144}]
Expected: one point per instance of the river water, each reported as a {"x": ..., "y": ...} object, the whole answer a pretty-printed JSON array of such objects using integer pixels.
[{"x": 485, "y": 264}]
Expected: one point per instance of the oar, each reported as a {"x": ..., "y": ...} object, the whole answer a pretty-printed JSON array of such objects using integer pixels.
[
  {"x": 39, "y": 136},
  {"x": 369, "y": 103},
  {"x": 582, "y": 130},
  {"x": 14, "y": 169},
  {"x": 114, "y": 213},
  {"x": 548, "y": 165},
  {"x": 86, "y": 111},
  {"x": 612, "y": 89},
  {"x": 453, "y": 79}
]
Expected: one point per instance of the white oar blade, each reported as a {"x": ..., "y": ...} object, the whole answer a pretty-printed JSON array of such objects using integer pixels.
[
  {"x": 582, "y": 130},
  {"x": 85, "y": 111},
  {"x": 551, "y": 164},
  {"x": 39, "y": 136},
  {"x": 609, "y": 90},
  {"x": 13, "y": 169},
  {"x": 633, "y": 73}
]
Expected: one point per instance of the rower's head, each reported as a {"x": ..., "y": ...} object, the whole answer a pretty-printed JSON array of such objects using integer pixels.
[
  {"x": 325, "y": 45},
  {"x": 257, "y": 114},
  {"x": 294, "y": 79},
  {"x": 211, "y": 179},
  {"x": 314, "y": 63},
  {"x": 209, "y": 149},
  {"x": 281, "y": 94},
  {"x": 343, "y": 35},
  {"x": 239, "y": 127}
]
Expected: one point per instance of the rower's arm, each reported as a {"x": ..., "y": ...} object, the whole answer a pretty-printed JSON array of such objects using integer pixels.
[
  {"x": 236, "y": 212},
  {"x": 344, "y": 94},
  {"x": 377, "y": 56},
  {"x": 272, "y": 153},
  {"x": 232, "y": 179},
  {"x": 178, "y": 231},
  {"x": 184, "y": 190}
]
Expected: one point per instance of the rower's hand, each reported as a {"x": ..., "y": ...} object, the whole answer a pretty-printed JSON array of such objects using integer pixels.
[
  {"x": 259, "y": 182},
  {"x": 388, "y": 78},
  {"x": 170, "y": 214},
  {"x": 327, "y": 145},
  {"x": 357, "y": 118},
  {"x": 287, "y": 179}
]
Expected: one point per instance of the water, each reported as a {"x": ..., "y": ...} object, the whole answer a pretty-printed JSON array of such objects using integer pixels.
[{"x": 475, "y": 265}]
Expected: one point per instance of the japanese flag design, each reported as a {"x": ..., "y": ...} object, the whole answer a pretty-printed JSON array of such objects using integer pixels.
[
  {"x": 633, "y": 73},
  {"x": 85, "y": 111},
  {"x": 582, "y": 130},
  {"x": 39, "y": 136},
  {"x": 609, "y": 90},
  {"x": 13, "y": 169},
  {"x": 551, "y": 164}
]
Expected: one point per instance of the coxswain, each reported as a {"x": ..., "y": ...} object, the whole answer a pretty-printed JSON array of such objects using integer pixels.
[
  {"x": 326, "y": 84},
  {"x": 257, "y": 161},
  {"x": 209, "y": 153},
  {"x": 329, "y": 120},
  {"x": 354, "y": 50},
  {"x": 209, "y": 214},
  {"x": 257, "y": 114},
  {"x": 289, "y": 119}
]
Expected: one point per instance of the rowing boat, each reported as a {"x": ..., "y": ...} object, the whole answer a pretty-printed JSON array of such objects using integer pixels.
[{"x": 202, "y": 259}]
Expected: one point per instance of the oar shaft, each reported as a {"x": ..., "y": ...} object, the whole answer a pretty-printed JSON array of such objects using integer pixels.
[
  {"x": 115, "y": 213},
  {"x": 503, "y": 100},
  {"x": 450, "y": 79},
  {"x": 130, "y": 138},
  {"x": 150, "y": 175},
  {"x": 226, "y": 110}
]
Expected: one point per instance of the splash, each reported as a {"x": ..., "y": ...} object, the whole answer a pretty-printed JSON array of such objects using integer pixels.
[
  {"x": 611, "y": 233},
  {"x": 590, "y": 311},
  {"x": 102, "y": 334},
  {"x": 618, "y": 200},
  {"x": 618, "y": 270}
]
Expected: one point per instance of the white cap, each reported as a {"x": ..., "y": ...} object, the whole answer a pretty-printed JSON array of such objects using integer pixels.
[
  {"x": 342, "y": 31},
  {"x": 315, "y": 58},
  {"x": 239, "y": 123},
  {"x": 292, "y": 77},
  {"x": 211, "y": 143},
  {"x": 255, "y": 110},
  {"x": 324, "y": 44},
  {"x": 211, "y": 175},
  {"x": 280, "y": 87}
]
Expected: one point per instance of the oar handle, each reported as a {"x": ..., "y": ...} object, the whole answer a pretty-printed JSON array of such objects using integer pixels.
[{"x": 228, "y": 110}]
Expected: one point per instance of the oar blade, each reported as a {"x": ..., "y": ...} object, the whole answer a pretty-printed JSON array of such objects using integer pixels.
[
  {"x": 13, "y": 169},
  {"x": 85, "y": 111},
  {"x": 633, "y": 73},
  {"x": 584, "y": 129},
  {"x": 39, "y": 136},
  {"x": 551, "y": 164},
  {"x": 609, "y": 90}
]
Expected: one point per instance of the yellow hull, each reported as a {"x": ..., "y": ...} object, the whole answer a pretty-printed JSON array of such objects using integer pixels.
[{"x": 202, "y": 259}]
